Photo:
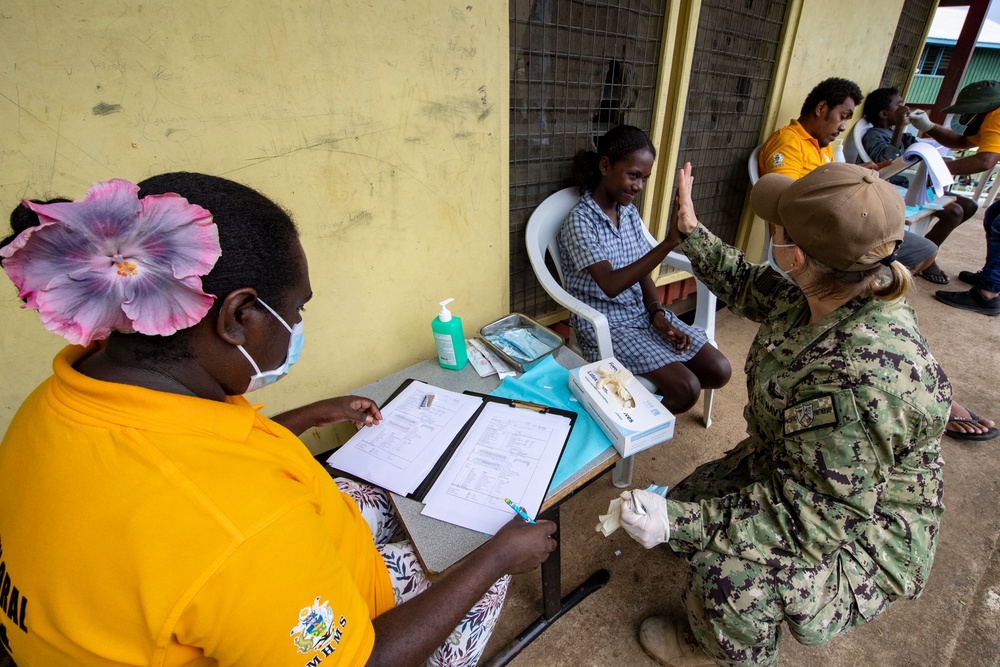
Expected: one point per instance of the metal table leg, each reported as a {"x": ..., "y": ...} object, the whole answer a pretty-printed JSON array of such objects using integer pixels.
[{"x": 553, "y": 607}]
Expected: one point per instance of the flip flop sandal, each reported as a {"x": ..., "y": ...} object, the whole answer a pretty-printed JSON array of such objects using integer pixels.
[
  {"x": 936, "y": 278},
  {"x": 973, "y": 418}
]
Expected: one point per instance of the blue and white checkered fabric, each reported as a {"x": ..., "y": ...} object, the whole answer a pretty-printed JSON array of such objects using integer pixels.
[{"x": 587, "y": 237}]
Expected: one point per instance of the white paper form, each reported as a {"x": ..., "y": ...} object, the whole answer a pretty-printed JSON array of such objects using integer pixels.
[
  {"x": 508, "y": 453},
  {"x": 417, "y": 426}
]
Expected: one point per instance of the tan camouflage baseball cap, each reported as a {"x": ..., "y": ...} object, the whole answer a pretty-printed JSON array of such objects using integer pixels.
[{"x": 836, "y": 213}]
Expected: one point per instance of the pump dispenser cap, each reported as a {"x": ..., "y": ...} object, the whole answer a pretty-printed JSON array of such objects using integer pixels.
[{"x": 445, "y": 314}]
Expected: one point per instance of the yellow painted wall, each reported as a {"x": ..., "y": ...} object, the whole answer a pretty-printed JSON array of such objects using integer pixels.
[
  {"x": 381, "y": 126},
  {"x": 849, "y": 39}
]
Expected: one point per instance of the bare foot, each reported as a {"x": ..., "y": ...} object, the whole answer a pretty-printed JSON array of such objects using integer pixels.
[{"x": 982, "y": 426}]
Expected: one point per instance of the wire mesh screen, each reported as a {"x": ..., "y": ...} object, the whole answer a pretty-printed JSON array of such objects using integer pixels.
[
  {"x": 907, "y": 42},
  {"x": 735, "y": 53},
  {"x": 578, "y": 68}
]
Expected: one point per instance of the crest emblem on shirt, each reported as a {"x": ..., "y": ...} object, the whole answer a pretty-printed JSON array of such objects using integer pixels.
[
  {"x": 316, "y": 629},
  {"x": 777, "y": 160},
  {"x": 804, "y": 415}
]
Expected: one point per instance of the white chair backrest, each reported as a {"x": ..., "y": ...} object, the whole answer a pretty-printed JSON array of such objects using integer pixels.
[
  {"x": 542, "y": 232},
  {"x": 753, "y": 167},
  {"x": 541, "y": 236},
  {"x": 857, "y": 134}
]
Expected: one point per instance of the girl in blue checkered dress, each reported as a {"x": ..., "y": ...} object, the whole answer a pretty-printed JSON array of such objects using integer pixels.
[{"x": 607, "y": 264}]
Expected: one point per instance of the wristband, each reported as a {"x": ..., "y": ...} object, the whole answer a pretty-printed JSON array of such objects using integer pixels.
[
  {"x": 661, "y": 309},
  {"x": 653, "y": 307}
]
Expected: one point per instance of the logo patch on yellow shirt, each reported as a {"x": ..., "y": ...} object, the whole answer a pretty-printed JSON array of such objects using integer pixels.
[
  {"x": 316, "y": 630},
  {"x": 812, "y": 414},
  {"x": 777, "y": 160}
]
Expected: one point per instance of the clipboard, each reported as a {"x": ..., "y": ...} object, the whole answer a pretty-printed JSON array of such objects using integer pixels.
[
  {"x": 432, "y": 477},
  {"x": 438, "y": 544},
  {"x": 421, "y": 489}
]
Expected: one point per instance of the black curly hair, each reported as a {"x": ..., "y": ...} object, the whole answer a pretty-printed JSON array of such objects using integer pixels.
[
  {"x": 616, "y": 144},
  {"x": 834, "y": 91},
  {"x": 257, "y": 236}
]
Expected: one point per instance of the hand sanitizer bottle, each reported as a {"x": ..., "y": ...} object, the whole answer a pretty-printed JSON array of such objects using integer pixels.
[{"x": 449, "y": 339}]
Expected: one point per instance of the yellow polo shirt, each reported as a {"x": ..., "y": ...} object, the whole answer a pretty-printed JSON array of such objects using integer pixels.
[
  {"x": 988, "y": 139},
  {"x": 139, "y": 527},
  {"x": 793, "y": 152}
]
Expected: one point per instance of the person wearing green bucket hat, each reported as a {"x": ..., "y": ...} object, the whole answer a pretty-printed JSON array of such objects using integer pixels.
[{"x": 979, "y": 103}]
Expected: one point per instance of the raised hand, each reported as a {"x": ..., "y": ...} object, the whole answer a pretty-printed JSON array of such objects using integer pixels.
[
  {"x": 685, "y": 218},
  {"x": 901, "y": 116}
]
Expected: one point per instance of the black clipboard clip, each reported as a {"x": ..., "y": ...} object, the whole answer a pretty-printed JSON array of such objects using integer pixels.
[{"x": 528, "y": 405}]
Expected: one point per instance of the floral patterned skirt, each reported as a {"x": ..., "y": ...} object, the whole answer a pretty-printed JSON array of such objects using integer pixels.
[{"x": 465, "y": 645}]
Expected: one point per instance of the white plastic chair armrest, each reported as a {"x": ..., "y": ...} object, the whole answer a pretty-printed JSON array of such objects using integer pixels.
[
  {"x": 595, "y": 318},
  {"x": 704, "y": 314}
]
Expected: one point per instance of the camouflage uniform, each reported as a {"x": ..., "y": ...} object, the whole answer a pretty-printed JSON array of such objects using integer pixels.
[{"x": 829, "y": 510}]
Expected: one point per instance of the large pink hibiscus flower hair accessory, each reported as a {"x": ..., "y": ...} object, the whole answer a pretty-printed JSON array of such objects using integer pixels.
[{"x": 113, "y": 262}]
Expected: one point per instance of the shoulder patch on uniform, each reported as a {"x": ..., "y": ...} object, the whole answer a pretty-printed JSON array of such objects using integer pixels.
[
  {"x": 811, "y": 414},
  {"x": 777, "y": 160}
]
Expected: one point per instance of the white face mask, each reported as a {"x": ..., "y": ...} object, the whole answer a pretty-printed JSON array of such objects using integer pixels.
[
  {"x": 262, "y": 379},
  {"x": 774, "y": 265}
]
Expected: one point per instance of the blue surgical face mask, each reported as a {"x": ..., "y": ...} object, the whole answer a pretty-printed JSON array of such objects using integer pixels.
[
  {"x": 262, "y": 379},
  {"x": 774, "y": 265}
]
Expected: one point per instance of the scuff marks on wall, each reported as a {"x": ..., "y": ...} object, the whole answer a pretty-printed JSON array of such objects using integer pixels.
[{"x": 103, "y": 109}]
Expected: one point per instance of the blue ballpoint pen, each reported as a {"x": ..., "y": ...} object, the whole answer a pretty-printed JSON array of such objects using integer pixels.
[{"x": 520, "y": 512}]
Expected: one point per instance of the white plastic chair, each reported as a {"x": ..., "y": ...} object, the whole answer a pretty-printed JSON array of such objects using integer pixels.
[
  {"x": 857, "y": 135},
  {"x": 983, "y": 179},
  {"x": 541, "y": 238},
  {"x": 753, "y": 166},
  {"x": 854, "y": 141}
]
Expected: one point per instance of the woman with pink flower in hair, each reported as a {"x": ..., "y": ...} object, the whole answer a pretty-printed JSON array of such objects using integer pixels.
[{"x": 149, "y": 514}]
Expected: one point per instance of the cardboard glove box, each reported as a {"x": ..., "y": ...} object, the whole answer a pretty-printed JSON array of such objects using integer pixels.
[{"x": 630, "y": 429}]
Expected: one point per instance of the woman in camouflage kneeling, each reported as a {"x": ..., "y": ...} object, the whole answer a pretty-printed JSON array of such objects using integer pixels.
[{"x": 829, "y": 510}]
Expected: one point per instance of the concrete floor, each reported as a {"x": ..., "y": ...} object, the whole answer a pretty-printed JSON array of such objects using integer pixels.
[{"x": 956, "y": 622}]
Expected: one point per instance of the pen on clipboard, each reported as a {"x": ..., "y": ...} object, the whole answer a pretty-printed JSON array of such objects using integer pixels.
[{"x": 520, "y": 512}]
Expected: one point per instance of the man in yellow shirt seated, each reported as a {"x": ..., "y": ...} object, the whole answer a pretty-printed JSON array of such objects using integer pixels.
[{"x": 804, "y": 144}]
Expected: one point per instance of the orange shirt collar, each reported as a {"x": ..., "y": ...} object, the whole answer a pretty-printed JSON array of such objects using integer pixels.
[
  {"x": 797, "y": 128},
  {"x": 150, "y": 410}
]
